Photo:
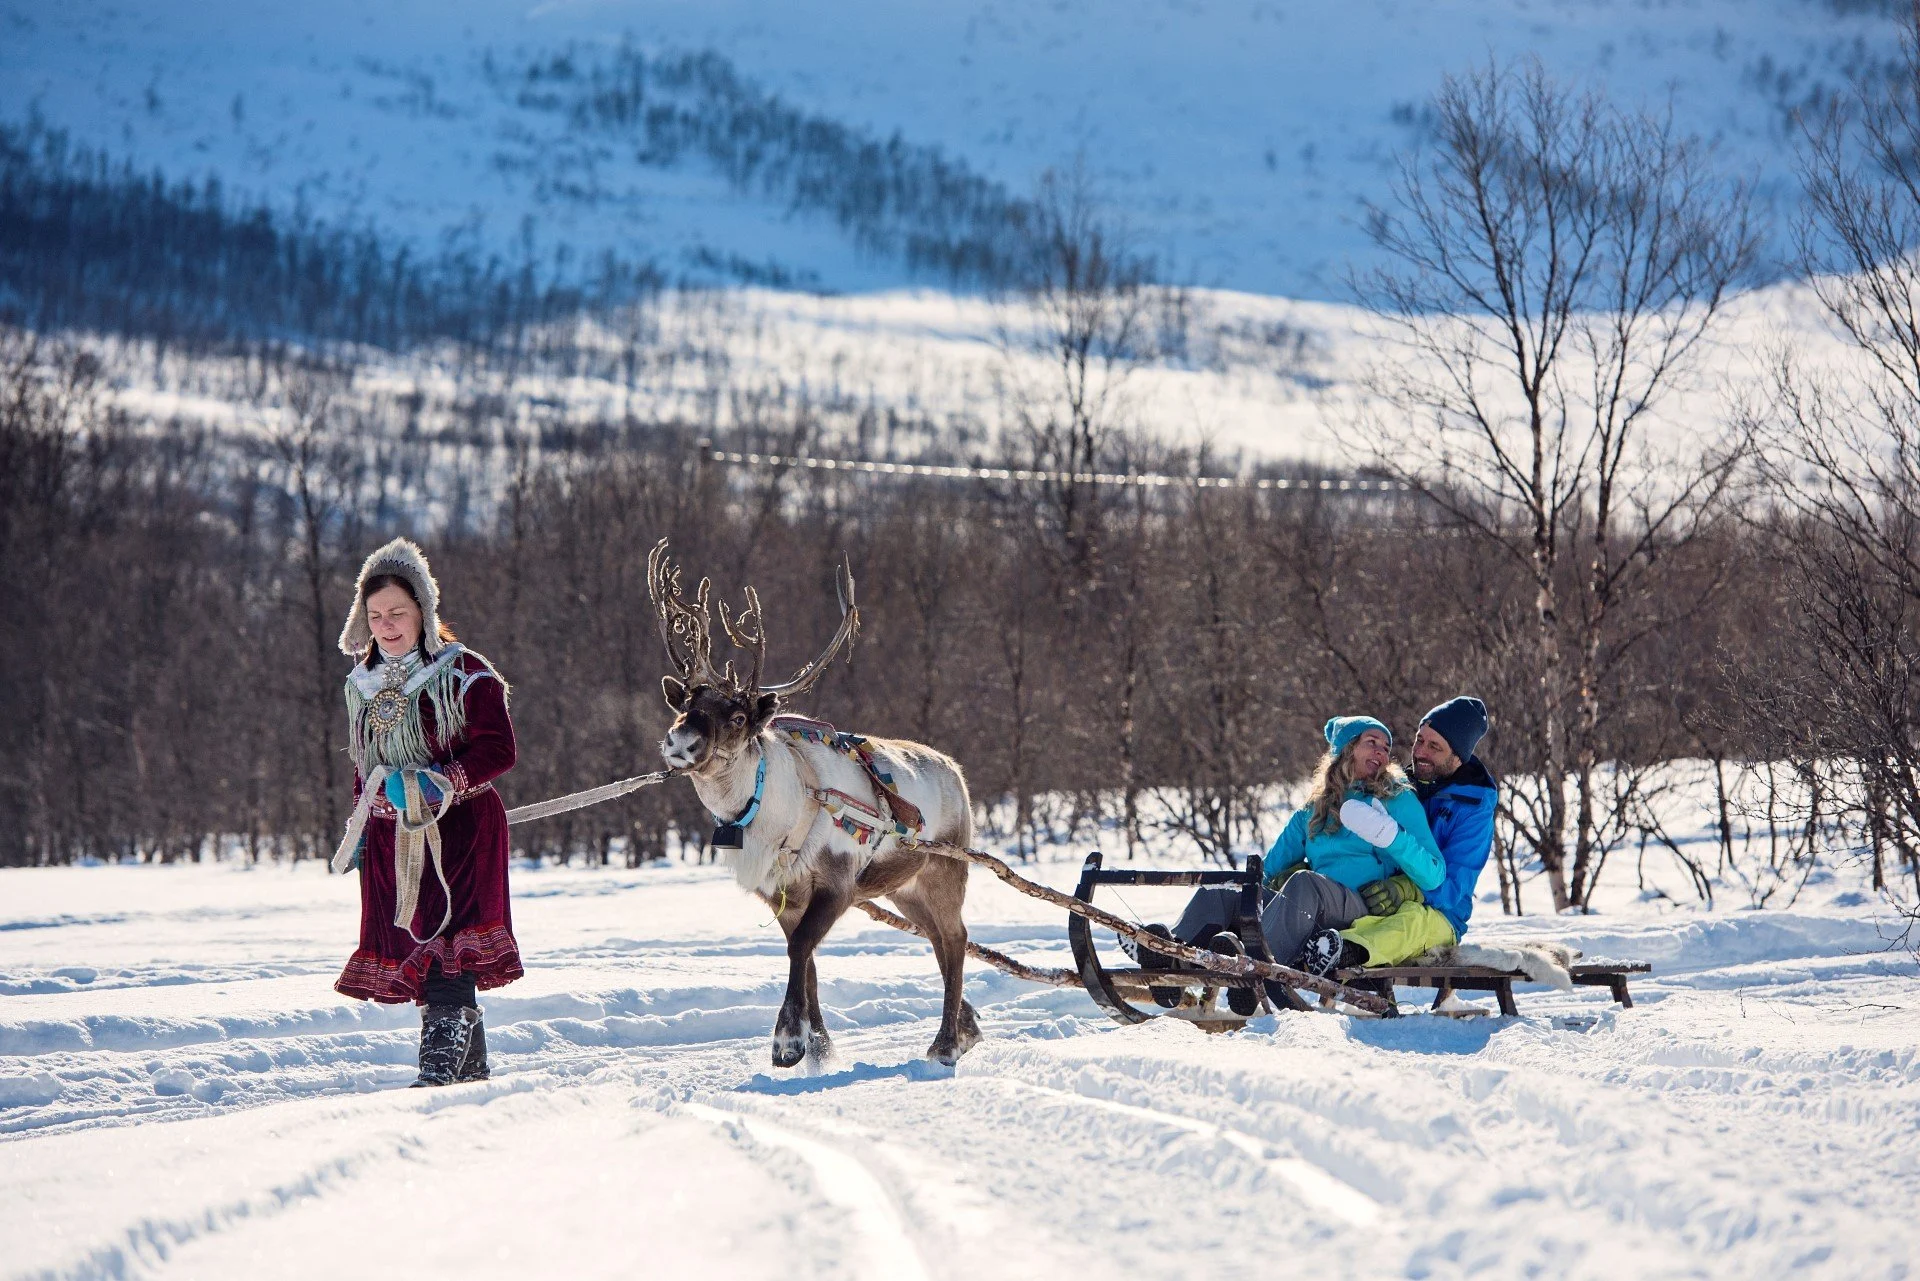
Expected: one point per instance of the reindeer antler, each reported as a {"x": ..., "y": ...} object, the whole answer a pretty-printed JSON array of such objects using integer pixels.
[
  {"x": 748, "y": 632},
  {"x": 689, "y": 625},
  {"x": 687, "y": 630},
  {"x": 849, "y": 627}
]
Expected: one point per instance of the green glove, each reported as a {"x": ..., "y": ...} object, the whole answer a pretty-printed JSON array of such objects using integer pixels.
[
  {"x": 1387, "y": 895},
  {"x": 1279, "y": 878},
  {"x": 1382, "y": 897}
]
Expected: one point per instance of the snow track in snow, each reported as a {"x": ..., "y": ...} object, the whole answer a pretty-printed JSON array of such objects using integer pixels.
[
  {"x": 1318, "y": 1190},
  {"x": 888, "y": 1253},
  {"x": 182, "y": 1095}
]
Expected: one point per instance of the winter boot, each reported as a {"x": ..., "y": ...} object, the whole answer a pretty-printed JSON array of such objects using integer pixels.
[
  {"x": 474, "y": 1066},
  {"x": 1165, "y": 997},
  {"x": 446, "y": 1034},
  {"x": 1244, "y": 1001},
  {"x": 1326, "y": 954}
]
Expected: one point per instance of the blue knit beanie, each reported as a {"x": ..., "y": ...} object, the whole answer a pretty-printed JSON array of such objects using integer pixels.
[
  {"x": 1342, "y": 730},
  {"x": 1461, "y": 721}
]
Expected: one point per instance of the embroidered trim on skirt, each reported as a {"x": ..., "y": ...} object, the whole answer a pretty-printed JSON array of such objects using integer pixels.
[{"x": 487, "y": 952}]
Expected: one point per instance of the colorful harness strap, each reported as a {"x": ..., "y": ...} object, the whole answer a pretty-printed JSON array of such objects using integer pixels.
[
  {"x": 906, "y": 815},
  {"x": 876, "y": 827}
]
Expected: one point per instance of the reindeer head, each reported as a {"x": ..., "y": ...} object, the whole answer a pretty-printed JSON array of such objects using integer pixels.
[{"x": 718, "y": 710}]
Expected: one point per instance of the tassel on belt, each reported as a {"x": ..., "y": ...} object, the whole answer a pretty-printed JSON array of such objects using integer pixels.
[{"x": 416, "y": 838}]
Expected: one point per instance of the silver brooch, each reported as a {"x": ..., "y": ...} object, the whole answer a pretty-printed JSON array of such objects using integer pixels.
[{"x": 389, "y": 706}]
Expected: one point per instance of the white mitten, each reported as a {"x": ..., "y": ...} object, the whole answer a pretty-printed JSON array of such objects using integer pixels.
[{"x": 1369, "y": 821}]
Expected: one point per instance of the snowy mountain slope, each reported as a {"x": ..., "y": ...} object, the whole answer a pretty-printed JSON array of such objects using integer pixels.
[
  {"x": 1269, "y": 379},
  {"x": 1236, "y": 139},
  {"x": 181, "y": 1094}
]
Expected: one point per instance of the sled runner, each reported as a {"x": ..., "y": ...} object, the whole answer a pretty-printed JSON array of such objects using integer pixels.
[
  {"x": 1611, "y": 975},
  {"x": 1118, "y": 991}
]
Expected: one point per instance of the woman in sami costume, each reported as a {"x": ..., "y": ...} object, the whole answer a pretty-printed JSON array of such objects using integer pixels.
[{"x": 429, "y": 733}]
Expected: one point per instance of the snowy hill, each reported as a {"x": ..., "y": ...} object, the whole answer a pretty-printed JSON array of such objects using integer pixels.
[{"x": 1237, "y": 140}]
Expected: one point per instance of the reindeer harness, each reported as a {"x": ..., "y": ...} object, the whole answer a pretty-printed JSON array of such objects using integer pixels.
[
  {"x": 864, "y": 822},
  {"x": 902, "y": 819}
]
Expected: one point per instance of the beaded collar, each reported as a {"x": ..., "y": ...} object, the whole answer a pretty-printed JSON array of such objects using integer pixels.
[{"x": 370, "y": 681}]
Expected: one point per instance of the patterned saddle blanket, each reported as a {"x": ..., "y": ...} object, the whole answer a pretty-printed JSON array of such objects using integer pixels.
[{"x": 805, "y": 728}]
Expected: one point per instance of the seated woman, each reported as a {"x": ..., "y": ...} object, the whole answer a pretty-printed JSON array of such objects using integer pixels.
[{"x": 1350, "y": 866}]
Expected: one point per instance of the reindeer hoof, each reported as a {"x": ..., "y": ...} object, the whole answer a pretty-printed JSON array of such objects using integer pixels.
[
  {"x": 946, "y": 1050},
  {"x": 969, "y": 1027},
  {"x": 788, "y": 1050},
  {"x": 819, "y": 1047}
]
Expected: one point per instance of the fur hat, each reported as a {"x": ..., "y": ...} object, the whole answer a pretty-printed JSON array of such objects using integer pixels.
[{"x": 402, "y": 558}]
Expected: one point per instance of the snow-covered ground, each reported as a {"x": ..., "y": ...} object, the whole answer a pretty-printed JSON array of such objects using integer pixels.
[{"x": 182, "y": 1094}]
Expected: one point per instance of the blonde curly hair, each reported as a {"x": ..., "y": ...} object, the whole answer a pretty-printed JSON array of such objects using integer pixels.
[{"x": 1332, "y": 779}]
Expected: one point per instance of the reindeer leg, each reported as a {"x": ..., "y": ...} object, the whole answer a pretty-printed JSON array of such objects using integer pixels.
[
  {"x": 932, "y": 901},
  {"x": 825, "y": 905},
  {"x": 819, "y": 1044}
]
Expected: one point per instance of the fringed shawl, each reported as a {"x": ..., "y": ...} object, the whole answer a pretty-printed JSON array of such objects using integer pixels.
[{"x": 404, "y": 742}]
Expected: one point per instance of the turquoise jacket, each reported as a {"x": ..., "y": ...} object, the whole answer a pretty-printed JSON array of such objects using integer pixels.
[{"x": 1341, "y": 856}]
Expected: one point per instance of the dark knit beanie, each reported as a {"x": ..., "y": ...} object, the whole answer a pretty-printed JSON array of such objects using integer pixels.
[{"x": 1461, "y": 721}]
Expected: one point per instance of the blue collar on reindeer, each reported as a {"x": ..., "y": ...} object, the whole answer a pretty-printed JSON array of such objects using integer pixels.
[{"x": 731, "y": 836}]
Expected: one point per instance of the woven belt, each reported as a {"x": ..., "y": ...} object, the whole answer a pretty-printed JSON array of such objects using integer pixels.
[{"x": 416, "y": 837}]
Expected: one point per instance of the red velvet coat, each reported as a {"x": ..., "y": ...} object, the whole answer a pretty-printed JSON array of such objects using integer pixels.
[{"x": 478, "y": 940}]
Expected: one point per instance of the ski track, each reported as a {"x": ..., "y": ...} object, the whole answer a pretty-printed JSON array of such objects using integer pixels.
[
  {"x": 181, "y": 1095},
  {"x": 884, "y": 1251}
]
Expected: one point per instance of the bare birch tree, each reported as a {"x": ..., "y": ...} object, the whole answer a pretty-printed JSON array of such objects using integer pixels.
[
  {"x": 1082, "y": 306},
  {"x": 1556, "y": 264},
  {"x": 1843, "y": 462}
]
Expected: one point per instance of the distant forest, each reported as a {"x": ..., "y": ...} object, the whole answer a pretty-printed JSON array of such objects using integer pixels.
[
  {"x": 88, "y": 242},
  {"x": 909, "y": 202}
]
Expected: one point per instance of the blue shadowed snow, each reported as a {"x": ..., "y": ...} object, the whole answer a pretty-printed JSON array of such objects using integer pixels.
[{"x": 911, "y": 1070}]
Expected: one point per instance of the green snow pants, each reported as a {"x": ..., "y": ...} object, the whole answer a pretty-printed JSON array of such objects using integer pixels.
[{"x": 1394, "y": 940}]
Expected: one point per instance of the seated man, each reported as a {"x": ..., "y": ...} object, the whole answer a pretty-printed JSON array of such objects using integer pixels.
[
  {"x": 1361, "y": 825},
  {"x": 1460, "y": 797}
]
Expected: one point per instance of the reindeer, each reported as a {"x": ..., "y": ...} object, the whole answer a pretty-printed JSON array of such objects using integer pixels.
[{"x": 792, "y": 852}]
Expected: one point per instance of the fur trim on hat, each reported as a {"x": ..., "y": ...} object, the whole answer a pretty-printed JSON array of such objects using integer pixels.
[{"x": 401, "y": 557}]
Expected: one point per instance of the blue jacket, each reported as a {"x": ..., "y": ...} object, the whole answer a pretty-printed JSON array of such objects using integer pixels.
[
  {"x": 1460, "y": 810},
  {"x": 1341, "y": 856}
]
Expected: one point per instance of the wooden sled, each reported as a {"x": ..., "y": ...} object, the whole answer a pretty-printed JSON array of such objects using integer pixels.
[{"x": 1125, "y": 993}]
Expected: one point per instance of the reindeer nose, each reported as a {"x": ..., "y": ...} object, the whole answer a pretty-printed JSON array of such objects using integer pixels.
[{"x": 679, "y": 748}]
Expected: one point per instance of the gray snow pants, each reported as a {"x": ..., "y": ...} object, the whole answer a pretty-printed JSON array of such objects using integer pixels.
[{"x": 1305, "y": 905}]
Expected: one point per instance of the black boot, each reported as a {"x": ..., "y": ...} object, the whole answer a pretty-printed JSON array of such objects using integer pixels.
[
  {"x": 1165, "y": 997},
  {"x": 474, "y": 1066},
  {"x": 1326, "y": 954},
  {"x": 446, "y": 1034},
  {"x": 1244, "y": 1001}
]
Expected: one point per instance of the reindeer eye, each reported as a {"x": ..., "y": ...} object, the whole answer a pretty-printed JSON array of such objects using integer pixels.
[{"x": 737, "y": 719}]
